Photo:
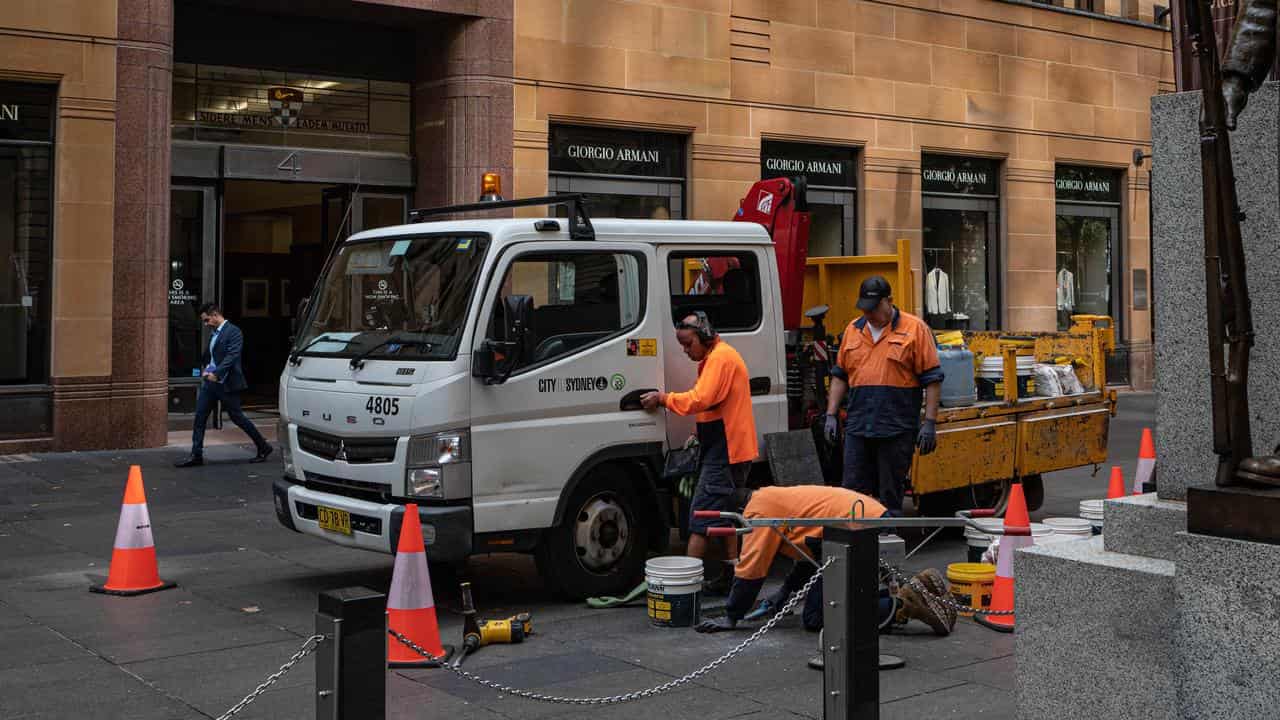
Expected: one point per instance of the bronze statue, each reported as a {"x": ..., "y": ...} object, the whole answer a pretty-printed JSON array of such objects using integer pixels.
[
  {"x": 1228, "y": 309},
  {"x": 1249, "y": 56}
]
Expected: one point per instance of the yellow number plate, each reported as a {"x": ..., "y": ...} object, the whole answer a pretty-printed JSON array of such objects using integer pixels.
[{"x": 334, "y": 519}]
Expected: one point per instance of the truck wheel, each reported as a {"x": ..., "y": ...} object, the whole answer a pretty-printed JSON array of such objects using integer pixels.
[
  {"x": 1033, "y": 489},
  {"x": 599, "y": 546}
]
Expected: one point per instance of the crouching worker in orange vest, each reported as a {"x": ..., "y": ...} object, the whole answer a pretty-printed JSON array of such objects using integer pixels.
[
  {"x": 726, "y": 429},
  {"x": 760, "y": 546}
]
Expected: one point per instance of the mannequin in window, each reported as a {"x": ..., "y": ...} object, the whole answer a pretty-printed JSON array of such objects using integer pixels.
[
  {"x": 1066, "y": 290},
  {"x": 937, "y": 292}
]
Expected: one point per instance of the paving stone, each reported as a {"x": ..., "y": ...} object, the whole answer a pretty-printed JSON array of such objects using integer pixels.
[
  {"x": 84, "y": 688},
  {"x": 35, "y": 645},
  {"x": 225, "y": 675}
]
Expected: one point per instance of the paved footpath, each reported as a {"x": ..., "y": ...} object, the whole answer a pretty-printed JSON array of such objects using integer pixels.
[{"x": 247, "y": 594}]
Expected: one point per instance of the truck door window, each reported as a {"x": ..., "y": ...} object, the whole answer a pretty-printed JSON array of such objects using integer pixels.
[
  {"x": 726, "y": 286},
  {"x": 580, "y": 299}
]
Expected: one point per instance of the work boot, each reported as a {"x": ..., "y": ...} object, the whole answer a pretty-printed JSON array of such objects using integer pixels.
[
  {"x": 917, "y": 605},
  {"x": 932, "y": 581},
  {"x": 1264, "y": 469}
]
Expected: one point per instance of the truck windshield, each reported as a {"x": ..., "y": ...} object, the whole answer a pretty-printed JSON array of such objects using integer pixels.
[{"x": 415, "y": 290}]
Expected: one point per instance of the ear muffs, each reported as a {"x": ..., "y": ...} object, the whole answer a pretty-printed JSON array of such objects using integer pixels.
[{"x": 701, "y": 327}]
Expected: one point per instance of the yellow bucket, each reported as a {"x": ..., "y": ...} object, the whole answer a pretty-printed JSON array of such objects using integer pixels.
[{"x": 971, "y": 584}]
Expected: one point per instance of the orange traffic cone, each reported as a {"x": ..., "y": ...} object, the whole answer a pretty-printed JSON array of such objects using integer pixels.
[
  {"x": 1014, "y": 537},
  {"x": 134, "y": 570},
  {"x": 1116, "y": 488},
  {"x": 1146, "y": 471},
  {"x": 411, "y": 609}
]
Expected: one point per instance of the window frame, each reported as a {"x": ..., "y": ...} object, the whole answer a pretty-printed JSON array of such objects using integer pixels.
[
  {"x": 756, "y": 260},
  {"x": 500, "y": 280}
]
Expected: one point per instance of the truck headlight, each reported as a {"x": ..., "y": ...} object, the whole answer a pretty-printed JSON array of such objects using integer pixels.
[
  {"x": 424, "y": 476},
  {"x": 425, "y": 482},
  {"x": 440, "y": 448},
  {"x": 286, "y": 448}
]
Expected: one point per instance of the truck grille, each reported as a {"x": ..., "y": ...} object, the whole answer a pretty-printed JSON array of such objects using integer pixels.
[
  {"x": 357, "y": 451},
  {"x": 376, "y": 492}
]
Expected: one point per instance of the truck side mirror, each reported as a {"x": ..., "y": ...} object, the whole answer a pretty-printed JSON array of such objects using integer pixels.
[{"x": 496, "y": 359}]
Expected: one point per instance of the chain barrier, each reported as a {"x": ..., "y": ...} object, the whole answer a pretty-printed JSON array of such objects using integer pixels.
[
  {"x": 308, "y": 647},
  {"x": 637, "y": 694},
  {"x": 897, "y": 576}
]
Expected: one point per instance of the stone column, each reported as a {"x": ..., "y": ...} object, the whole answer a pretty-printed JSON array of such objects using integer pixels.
[
  {"x": 140, "y": 324},
  {"x": 1184, "y": 444},
  {"x": 463, "y": 109}
]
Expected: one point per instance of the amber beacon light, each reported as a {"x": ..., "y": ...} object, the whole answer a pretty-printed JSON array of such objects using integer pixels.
[{"x": 491, "y": 188}]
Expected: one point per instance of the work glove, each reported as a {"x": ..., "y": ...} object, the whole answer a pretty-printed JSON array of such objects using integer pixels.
[
  {"x": 927, "y": 440},
  {"x": 761, "y": 612},
  {"x": 715, "y": 626},
  {"x": 831, "y": 429}
]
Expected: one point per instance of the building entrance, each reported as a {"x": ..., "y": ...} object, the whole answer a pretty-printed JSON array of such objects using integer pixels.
[{"x": 273, "y": 242}]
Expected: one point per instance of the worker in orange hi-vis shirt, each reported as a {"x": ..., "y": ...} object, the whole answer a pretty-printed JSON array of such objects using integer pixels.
[
  {"x": 887, "y": 364},
  {"x": 721, "y": 399},
  {"x": 761, "y": 546}
]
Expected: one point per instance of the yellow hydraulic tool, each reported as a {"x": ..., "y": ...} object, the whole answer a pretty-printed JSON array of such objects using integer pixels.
[
  {"x": 478, "y": 633},
  {"x": 511, "y": 630}
]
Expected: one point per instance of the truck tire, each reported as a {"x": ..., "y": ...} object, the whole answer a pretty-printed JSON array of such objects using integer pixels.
[
  {"x": 600, "y": 545},
  {"x": 1033, "y": 489}
]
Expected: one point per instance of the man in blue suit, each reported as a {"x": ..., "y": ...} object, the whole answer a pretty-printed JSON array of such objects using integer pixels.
[{"x": 223, "y": 381}]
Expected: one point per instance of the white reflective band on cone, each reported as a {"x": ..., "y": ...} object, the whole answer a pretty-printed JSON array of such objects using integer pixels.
[
  {"x": 410, "y": 587},
  {"x": 134, "y": 530},
  {"x": 1008, "y": 544},
  {"x": 1146, "y": 467}
]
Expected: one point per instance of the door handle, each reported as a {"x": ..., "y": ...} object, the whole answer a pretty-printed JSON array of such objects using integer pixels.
[{"x": 631, "y": 401}]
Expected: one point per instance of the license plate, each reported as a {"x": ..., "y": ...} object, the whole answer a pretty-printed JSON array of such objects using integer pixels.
[{"x": 333, "y": 519}]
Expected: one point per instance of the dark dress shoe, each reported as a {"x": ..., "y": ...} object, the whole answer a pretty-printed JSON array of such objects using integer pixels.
[
  {"x": 263, "y": 454},
  {"x": 193, "y": 461}
]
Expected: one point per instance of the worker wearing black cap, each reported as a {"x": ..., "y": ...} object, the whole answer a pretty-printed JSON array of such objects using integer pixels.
[{"x": 889, "y": 360}]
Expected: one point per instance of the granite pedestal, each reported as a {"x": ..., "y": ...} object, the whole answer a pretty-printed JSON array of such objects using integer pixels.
[{"x": 1151, "y": 621}]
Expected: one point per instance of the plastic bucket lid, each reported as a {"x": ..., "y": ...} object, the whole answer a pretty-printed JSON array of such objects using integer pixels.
[
  {"x": 971, "y": 572},
  {"x": 674, "y": 567},
  {"x": 1069, "y": 525}
]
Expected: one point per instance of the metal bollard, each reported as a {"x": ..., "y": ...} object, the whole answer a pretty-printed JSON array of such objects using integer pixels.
[
  {"x": 850, "y": 613},
  {"x": 351, "y": 661}
]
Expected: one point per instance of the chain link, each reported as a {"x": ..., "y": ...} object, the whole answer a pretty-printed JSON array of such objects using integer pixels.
[
  {"x": 944, "y": 599},
  {"x": 308, "y": 647},
  {"x": 638, "y": 694}
]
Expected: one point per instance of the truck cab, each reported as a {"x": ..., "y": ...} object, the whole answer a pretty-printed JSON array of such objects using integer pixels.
[{"x": 489, "y": 372}]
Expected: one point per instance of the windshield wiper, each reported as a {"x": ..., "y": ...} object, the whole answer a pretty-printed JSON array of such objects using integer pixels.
[
  {"x": 295, "y": 357},
  {"x": 357, "y": 362}
]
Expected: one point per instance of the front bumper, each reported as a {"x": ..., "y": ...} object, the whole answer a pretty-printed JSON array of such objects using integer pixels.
[{"x": 447, "y": 531}]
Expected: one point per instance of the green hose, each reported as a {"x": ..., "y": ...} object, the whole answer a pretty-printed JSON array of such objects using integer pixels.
[{"x": 608, "y": 601}]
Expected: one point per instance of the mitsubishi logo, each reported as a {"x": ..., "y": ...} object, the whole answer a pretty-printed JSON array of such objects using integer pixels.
[{"x": 342, "y": 451}]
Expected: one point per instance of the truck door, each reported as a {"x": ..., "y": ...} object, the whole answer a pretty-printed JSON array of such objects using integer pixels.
[
  {"x": 729, "y": 284},
  {"x": 592, "y": 343}
]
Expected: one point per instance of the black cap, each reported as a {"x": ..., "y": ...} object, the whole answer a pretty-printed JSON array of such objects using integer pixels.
[{"x": 873, "y": 290}]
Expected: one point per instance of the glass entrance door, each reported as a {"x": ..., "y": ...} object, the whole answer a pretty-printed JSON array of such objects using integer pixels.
[
  {"x": 1087, "y": 274},
  {"x": 376, "y": 210},
  {"x": 961, "y": 290},
  {"x": 193, "y": 273}
]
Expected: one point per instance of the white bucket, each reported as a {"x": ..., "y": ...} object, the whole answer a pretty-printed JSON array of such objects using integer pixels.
[
  {"x": 675, "y": 590},
  {"x": 1070, "y": 528},
  {"x": 993, "y": 366},
  {"x": 1042, "y": 535},
  {"x": 1091, "y": 510},
  {"x": 980, "y": 541}
]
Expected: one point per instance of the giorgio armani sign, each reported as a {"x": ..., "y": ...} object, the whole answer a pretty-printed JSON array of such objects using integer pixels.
[
  {"x": 606, "y": 151},
  {"x": 1087, "y": 184},
  {"x": 821, "y": 165},
  {"x": 26, "y": 111},
  {"x": 954, "y": 175}
]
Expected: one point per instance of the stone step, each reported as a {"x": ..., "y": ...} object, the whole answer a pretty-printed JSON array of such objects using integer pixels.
[
  {"x": 1144, "y": 525},
  {"x": 1093, "y": 633}
]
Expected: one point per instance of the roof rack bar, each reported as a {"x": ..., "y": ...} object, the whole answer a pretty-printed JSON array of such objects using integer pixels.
[{"x": 580, "y": 227}]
